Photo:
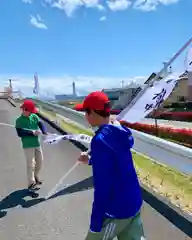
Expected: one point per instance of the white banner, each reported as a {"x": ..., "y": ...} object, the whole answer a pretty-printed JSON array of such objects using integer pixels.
[
  {"x": 83, "y": 138},
  {"x": 150, "y": 100},
  {"x": 55, "y": 138}
]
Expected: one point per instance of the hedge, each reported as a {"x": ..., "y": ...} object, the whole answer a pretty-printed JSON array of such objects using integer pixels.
[{"x": 180, "y": 135}]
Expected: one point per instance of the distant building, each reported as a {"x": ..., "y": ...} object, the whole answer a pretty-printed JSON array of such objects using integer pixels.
[
  {"x": 121, "y": 97},
  {"x": 151, "y": 77},
  {"x": 182, "y": 91},
  {"x": 62, "y": 97}
]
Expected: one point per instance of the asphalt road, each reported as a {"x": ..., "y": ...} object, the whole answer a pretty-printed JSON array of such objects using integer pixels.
[{"x": 65, "y": 216}]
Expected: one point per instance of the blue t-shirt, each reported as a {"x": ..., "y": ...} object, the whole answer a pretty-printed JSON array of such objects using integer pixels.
[{"x": 117, "y": 192}]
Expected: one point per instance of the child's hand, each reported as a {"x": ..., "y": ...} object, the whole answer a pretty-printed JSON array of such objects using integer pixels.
[
  {"x": 36, "y": 132},
  {"x": 84, "y": 158}
]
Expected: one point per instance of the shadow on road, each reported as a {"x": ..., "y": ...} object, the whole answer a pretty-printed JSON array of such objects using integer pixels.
[
  {"x": 77, "y": 187},
  {"x": 17, "y": 198}
]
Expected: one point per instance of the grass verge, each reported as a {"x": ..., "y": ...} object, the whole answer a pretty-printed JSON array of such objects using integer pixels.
[{"x": 173, "y": 185}]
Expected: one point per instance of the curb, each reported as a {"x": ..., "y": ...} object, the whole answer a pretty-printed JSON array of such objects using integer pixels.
[{"x": 11, "y": 102}]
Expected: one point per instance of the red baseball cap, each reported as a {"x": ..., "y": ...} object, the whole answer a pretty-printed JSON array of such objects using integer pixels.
[
  {"x": 94, "y": 101},
  {"x": 29, "y": 106}
]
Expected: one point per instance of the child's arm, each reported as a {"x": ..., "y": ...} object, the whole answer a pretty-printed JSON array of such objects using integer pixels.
[
  {"x": 24, "y": 132},
  {"x": 42, "y": 127},
  {"x": 101, "y": 157}
]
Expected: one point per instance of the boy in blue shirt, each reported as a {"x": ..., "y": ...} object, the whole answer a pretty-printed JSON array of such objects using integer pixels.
[{"x": 117, "y": 195}]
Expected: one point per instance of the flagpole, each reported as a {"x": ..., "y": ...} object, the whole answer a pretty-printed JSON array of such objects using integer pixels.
[
  {"x": 155, "y": 78},
  {"x": 36, "y": 85}
]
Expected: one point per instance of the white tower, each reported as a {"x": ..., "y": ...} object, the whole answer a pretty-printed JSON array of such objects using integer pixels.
[
  {"x": 10, "y": 88},
  {"x": 74, "y": 90},
  {"x": 10, "y": 83}
]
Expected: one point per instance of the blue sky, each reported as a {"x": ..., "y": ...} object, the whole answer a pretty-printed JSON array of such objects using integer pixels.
[{"x": 98, "y": 43}]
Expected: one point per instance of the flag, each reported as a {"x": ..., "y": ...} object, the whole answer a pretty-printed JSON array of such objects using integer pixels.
[
  {"x": 36, "y": 84},
  {"x": 150, "y": 100},
  {"x": 55, "y": 138}
]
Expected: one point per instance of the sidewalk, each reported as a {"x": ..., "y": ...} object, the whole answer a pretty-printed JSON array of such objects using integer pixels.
[{"x": 167, "y": 123}]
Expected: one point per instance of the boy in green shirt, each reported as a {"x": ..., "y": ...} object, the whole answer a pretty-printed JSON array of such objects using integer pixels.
[{"x": 29, "y": 127}]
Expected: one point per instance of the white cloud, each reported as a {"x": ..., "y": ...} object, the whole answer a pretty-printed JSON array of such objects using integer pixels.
[
  {"x": 104, "y": 18},
  {"x": 93, "y": 3},
  {"x": 118, "y": 5},
  {"x": 151, "y": 5},
  {"x": 167, "y": 2},
  {"x": 70, "y": 6},
  {"x": 49, "y": 86},
  {"x": 27, "y": 1},
  {"x": 101, "y": 7},
  {"x": 37, "y": 22}
]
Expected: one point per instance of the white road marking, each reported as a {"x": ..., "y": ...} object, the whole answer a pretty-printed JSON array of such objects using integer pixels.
[{"x": 6, "y": 124}]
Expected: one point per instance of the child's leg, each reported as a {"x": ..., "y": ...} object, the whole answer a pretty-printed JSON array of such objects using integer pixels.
[
  {"x": 123, "y": 229},
  {"x": 30, "y": 154},
  {"x": 133, "y": 231},
  {"x": 93, "y": 236},
  {"x": 111, "y": 229},
  {"x": 38, "y": 162}
]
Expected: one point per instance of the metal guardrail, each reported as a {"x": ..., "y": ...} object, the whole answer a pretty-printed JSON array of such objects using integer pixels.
[
  {"x": 67, "y": 112},
  {"x": 162, "y": 151}
]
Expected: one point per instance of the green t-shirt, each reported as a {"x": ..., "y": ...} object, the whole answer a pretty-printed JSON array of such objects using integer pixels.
[{"x": 29, "y": 123}]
